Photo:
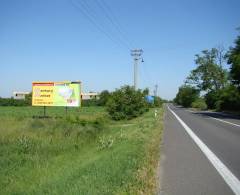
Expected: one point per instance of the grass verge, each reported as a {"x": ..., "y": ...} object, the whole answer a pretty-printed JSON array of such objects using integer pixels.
[{"x": 83, "y": 153}]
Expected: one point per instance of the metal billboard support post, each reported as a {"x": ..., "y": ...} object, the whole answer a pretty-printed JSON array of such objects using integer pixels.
[
  {"x": 66, "y": 109},
  {"x": 44, "y": 111}
]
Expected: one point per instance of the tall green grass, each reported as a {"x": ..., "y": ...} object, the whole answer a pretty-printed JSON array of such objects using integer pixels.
[
  {"x": 82, "y": 153},
  {"x": 29, "y": 111}
]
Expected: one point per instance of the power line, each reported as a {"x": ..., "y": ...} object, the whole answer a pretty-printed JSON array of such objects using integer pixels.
[
  {"x": 122, "y": 39},
  {"x": 112, "y": 19},
  {"x": 92, "y": 18},
  {"x": 91, "y": 15},
  {"x": 118, "y": 23}
]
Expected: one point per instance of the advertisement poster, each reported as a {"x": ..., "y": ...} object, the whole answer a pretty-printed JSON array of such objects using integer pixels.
[{"x": 65, "y": 94}]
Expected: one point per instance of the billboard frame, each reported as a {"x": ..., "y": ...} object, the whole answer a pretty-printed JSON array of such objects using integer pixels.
[{"x": 51, "y": 94}]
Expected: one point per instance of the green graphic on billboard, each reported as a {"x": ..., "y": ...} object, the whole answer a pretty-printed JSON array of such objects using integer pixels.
[{"x": 66, "y": 94}]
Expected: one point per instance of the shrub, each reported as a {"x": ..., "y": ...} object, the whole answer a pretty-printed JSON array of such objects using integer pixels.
[
  {"x": 186, "y": 95},
  {"x": 158, "y": 101},
  {"x": 199, "y": 104},
  {"x": 229, "y": 99},
  {"x": 211, "y": 99},
  {"x": 103, "y": 98},
  {"x": 14, "y": 102},
  {"x": 126, "y": 103},
  {"x": 90, "y": 102}
]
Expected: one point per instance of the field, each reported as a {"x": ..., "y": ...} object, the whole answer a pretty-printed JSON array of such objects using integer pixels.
[{"x": 81, "y": 152}]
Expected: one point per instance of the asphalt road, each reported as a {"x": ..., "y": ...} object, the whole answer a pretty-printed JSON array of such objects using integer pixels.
[{"x": 184, "y": 168}]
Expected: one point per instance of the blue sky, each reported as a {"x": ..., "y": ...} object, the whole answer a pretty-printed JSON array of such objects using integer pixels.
[{"x": 52, "y": 40}]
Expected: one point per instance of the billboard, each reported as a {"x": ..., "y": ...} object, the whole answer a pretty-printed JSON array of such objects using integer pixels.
[{"x": 64, "y": 93}]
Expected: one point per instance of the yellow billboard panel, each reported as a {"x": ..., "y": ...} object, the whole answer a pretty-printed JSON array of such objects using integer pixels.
[{"x": 65, "y": 94}]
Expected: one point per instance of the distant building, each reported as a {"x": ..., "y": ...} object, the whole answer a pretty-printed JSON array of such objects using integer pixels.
[
  {"x": 20, "y": 95},
  {"x": 90, "y": 95},
  {"x": 84, "y": 96}
]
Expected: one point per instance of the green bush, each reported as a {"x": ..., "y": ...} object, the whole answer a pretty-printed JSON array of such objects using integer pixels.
[
  {"x": 229, "y": 99},
  {"x": 157, "y": 101},
  {"x": 126, "y": 103},
  {"x": 211, "y": 98},
  {"x": 14, "y": 102},
  {"x": 103, "y": 98},
  {"x": 199, "y": 104},
  {"x": 90, "y": 102},
  {"x": 186, "y": 95}
]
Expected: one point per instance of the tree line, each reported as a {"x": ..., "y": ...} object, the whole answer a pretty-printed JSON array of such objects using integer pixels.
[
  {"x": 210, "y": 85},
  {"x": 127, "y": 103},
  {"x": 123, "y": 103},
  {"x": 16, "y": 102}
]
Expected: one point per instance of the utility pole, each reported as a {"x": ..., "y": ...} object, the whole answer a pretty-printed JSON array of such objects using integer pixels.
[
  {"x": 155, "y": 91},
  {"x": 136, "y": 54}
]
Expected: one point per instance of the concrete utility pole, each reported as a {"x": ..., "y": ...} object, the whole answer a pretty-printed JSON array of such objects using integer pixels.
[
  {"x": 155, "y": 91},
  {"x": 136, "y": 53}
]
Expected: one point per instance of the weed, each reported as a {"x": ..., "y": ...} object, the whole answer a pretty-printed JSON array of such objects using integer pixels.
[
  {"x": 105, "y": 142},
  {"x": 25, "y": 145}
]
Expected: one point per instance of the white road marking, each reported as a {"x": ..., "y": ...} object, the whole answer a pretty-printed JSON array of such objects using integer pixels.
[
  {"x": 226, "y": 174},
  {"x": 218, "y": 119},
  {"x": 225, "y": 122}
]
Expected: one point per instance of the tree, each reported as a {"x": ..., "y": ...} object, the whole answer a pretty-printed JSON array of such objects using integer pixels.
[
  {"x": 233, "y": 56},
  {"x": 211, "y": 98},
  {"x": 103, "y": 97},
  {"x": 186, "y": 95},
  {"x": 126, "y": 103},
  {"x": 157, "y": 101},
  {"x": 208, "y": 76},
  {"x": 28, "y": 99},
  {"x": 200, "y": 104},
  {"x": 229, "y": 99},
  {"x": 146, "y": 91}
]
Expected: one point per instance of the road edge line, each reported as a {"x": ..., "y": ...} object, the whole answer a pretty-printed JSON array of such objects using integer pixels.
[
  {"x": 223, "y": 121},
  {"x": 226, "y": 174}
]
